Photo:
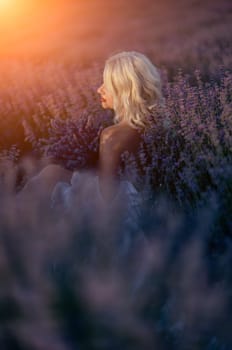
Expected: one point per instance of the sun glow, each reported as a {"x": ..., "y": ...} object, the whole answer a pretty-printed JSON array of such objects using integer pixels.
[
  {"x": 5, "y": 4},
  {"x": 14, "y": 14},
  {"x": 11, "y": 10},
  {"x": 26, "y": 24}
]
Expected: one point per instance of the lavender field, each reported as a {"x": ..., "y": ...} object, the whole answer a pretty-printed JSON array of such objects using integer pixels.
[{"x": 77, "y": 281}]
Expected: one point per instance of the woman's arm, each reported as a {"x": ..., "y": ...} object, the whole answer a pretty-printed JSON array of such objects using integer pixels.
[{"x": 109, "y": 163}]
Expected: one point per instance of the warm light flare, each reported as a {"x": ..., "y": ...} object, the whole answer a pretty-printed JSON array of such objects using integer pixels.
[
  {"x": 25, "y": 24},
  {"x": 11, "y": 9},
  {"x": 4, "y": 4},
  {"x": 14, "y": 14}
]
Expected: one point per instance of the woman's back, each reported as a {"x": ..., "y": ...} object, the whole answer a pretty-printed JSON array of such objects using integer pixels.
[{"x": 120, "y": 153}]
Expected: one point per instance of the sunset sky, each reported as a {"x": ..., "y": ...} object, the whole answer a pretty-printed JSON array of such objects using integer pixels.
[
  {"x": 37, "y": 26},
  {"x": 25, "y": 25},
  {"x": 96, "y": 28}
]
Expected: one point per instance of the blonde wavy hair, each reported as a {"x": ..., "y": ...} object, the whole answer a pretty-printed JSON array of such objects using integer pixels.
[{"x": 135, "y": 85}]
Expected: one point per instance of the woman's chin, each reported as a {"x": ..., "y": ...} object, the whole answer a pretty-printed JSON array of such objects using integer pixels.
[{"x": 104, "y": 105}]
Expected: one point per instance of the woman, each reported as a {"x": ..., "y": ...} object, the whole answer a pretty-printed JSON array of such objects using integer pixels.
[{"x": 132, "y": 89}]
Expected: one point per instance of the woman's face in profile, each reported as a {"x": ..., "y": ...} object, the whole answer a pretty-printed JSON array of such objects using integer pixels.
[{"x": 106, "y": 97}]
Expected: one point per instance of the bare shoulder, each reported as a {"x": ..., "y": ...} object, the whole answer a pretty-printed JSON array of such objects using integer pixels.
[
  {"x": 119, "y": 134},
  {"x": 108, "y": 133}
]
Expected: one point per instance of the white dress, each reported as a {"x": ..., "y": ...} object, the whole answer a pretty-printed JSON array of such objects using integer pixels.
[{"x": 83, "y": 198}]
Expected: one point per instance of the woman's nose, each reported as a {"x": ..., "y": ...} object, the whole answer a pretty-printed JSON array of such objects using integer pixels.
[{"x": 99, "y": 90}]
